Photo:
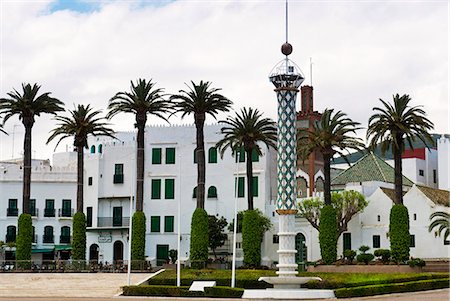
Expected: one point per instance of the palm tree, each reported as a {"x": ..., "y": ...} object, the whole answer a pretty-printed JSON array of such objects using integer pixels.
[
  {"x": 330, "y": 136},
  {"x": 2, "y": 130},
  {"x": 391, "y": 125},
  {"x": 442, "y": 222},
  {"x": 143, "y": 99},
  {"x": 83, "y": 121},
  {"x": 244, "y": 131},
  {"x": 27, "y": 105},
  {"x": 200, "y": 100}
]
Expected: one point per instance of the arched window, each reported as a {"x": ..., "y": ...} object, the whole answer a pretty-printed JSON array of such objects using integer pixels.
[
  {"x": 11, "y": 234},
  {"x": 319, "y": 184},
  {"x": 194, "y": 193},
  {"x": 212, "y": 155},
  {"x": 100, "y": 148},
  {"x": 212, "y": 192},
  {"x": 48, "y": 235},
  {"x": 65, "y": 235},
  {"x": 302, "y": 187},
  {"x": 93, "y": 149}
]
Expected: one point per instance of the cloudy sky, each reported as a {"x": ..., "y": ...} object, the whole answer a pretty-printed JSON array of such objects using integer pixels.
[{"x": 86, "y": 51}]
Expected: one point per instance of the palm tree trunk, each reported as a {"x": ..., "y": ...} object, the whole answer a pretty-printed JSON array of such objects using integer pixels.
[
  {"x": 80, "y": 178},
  {"x": 398, "y": 180},
  {"x": 140, "y": 165},
  {"x": 200, "y": 152},
  {"x": 249, "y": 170},
  {"x": 26, "y": 166},
  {"x": 327, "y": 182}
]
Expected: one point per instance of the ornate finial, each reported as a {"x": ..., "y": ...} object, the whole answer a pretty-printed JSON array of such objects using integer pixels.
[{"x": 286, "y": 48}]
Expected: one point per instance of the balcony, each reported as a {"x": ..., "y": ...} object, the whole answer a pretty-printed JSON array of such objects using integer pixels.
[
  {"x": 34, "y": 212},
  {"x": 49, "y": 212},
  {"x": 65, "y": 212},
  {"x": 118, "y": 179},
  {"x": 65, "y": 239},
  {"x": 12, "y": 212},
  {"x": 35, "y": 238},
  {"x": 48, "y": 239},
  {"x": 113, "y": 222},
  {"x": 10, "y": 238}
]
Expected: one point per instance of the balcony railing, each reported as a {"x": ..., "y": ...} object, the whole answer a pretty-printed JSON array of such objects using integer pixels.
[
  {"x": 64, "y": 239},
  {"x": 34, "y": 212},
  {"x": 12, "y": 212},
  {"x": 65, "y": 212},
  {"x": 49, "y": 212},
  {"x": 118, "y": 179},
  {"x": 35, "y": 238},
  {"x": 10, "y": 238},
  {"x": 48, "y": 239},
  {"x": 113, "y": 222}
]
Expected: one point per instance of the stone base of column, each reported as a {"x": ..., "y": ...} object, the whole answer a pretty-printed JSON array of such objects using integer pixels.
[{"x": 287, "y": 267}]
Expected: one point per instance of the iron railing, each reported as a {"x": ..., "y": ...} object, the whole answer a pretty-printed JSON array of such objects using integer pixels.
[{"x": 113, "y": 222}]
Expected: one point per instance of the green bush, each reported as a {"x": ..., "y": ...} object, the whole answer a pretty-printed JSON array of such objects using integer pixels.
[
  {"x": 384, "y": 254},
  {"x": 328, "y": 234},
  {"x": 199, "y": 238},
  {"x": 79, "y": 237},
  {"x": 380, "y": 289},
  {"x": 138, "y": 239},
  {"x": 223, "y": 292},
  {"x": 365, "y": 257},
  {"x": 251, "y": 238},
  {"x": 416, "y": 262},
  {"x": 363, "y": 249},
  {"x": 399, "y": 233},
  {"x": 349, "y": 255},
  {"x": 23, "y": 241},
  {"x": 182, "y": 291}
]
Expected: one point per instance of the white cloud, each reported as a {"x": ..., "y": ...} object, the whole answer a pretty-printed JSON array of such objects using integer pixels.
[{"x": 361, "y": 52}]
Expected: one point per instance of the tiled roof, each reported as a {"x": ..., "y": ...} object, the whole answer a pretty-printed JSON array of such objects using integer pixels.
[
  {"x": 367, "y": 169},
  {"x": 438, "y": 196},
  {"x": 390, "y": 193}
]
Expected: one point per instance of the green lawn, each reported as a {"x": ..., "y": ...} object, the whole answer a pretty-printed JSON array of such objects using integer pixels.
[{"x": 249, "y": 278}]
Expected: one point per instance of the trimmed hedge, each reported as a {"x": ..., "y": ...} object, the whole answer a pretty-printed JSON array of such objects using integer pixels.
[
  {"x": 199, "y": 238},
  {"x": 251, "y": 238},
  {"x": 79, "y": 236},
  {"x": 399, "y": 233},
  {"x": 371, "y": 290},
  {"x": 182, "y": 291},
  {"x": 24, "y": 240},
  {"x": 328, "y": 234},
  {"x": 138, "y": 238}
]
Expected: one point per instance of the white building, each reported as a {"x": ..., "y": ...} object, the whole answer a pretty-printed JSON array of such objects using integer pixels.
[
  {"x": 53, "y": 197},
  {"x": 170, "y": 179}
]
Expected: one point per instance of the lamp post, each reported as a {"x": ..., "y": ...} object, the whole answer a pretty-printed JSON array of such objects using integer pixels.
[
  {"x": 130, "y": 228},
  {"x": 233, "y": 264},
  {"x": 287, "y": 78},
  {"x": 179, "y": 223}
]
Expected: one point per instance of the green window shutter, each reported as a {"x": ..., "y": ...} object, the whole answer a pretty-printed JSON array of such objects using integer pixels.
[
  {"x": 212, "y": 155},
  {"x": 169, "y": 189},
  {"x": 240, "y": 187},
  {"x": 412, "y": 241},
  {"x": 170, "y": 155},
  {"x": 156, "y": 155},
  {"x": 156, "y": 189},
  {"x": 118, "y": 169},
  {"x": 255, "y": 156},
  {"x": 168, "y": 223},
  {"x": 93, "y": 149},
  {"x": 195, "y": 156},
  {"x": 240, "y": 153},
  {"x": 100, "y": 148},
  {"x": 255, "y": 186},
  {"x": 212, "y": 192},
  {"x": 194, "y": 193},
  {"x": 155, "y": 224}
]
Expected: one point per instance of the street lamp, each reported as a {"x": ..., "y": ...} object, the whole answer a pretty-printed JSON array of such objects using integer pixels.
[{"x": 233, "y": 264}]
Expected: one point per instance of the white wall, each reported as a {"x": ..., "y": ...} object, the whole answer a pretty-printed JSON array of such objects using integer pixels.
[{"x": 443, "y": 146}]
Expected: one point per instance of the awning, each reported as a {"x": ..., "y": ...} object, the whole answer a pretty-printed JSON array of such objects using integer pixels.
[
  {"x": 42, "y": 251},
  {"x": 63, "y": 248}
]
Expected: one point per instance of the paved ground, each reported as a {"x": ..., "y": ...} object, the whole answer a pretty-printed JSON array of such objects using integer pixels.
[{"x": 104, "y": 286}]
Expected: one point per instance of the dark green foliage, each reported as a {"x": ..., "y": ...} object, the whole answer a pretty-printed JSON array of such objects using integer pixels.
[
  {"x": 399, "y": 233},
  {"x": 363, "y": 249},
  {"x": 79, "y": 237},
  {"x": 251, "y": 238},
  {"x": 24, "y": 240},
  {"x": 381, "y": 289},
  {"x": 365, "y": 257},
  {"x": 416, "y": 262},
  {"x": 328, "y": 234},
  {"x": 138, "y": 239},
  {"x": 215, "y": 232},
  {"x": 199, "y": 238},
  {"x": 240, "y": 216},
  {"x": 384, "y": 254},
  {"x": 173, "y": 254},
  {"x": 182, "y": 291},
  {"x": 349, "y": 255}
]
